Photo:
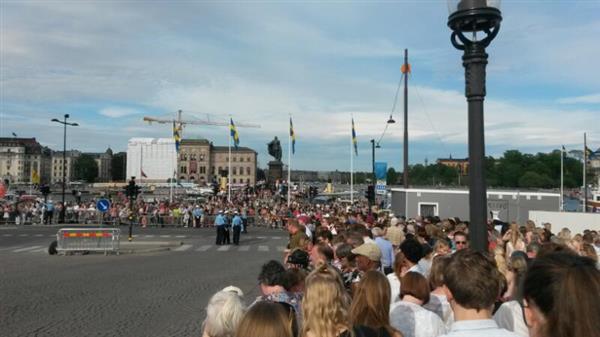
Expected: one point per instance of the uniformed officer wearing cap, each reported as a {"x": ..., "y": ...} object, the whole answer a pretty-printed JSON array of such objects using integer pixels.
[
  {"x": 236, "y": 224},
  {"x": 220, "y": 225}
]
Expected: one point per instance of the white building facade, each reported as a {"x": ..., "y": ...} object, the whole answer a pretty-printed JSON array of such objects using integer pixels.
[{"x": 156, "y": 157}]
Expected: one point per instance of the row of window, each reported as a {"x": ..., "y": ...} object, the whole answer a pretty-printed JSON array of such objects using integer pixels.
[{"x": 194, "y": 157}]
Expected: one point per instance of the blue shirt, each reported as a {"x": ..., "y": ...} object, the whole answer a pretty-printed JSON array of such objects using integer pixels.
[
  {"x": 220, "y": 220},
  {"x": 197, "y": 212},
  {"x": 387, "y": 251},
  {"x": 237, "y": 221}
]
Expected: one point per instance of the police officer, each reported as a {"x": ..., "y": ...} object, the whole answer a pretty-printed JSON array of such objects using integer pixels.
[
  {"x": 227, "y": 236},
  {"x": 236, "y": 224},
  {"x": 220, "y": 223}
]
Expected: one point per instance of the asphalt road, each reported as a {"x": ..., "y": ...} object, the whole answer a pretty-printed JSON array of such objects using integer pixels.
[{"x": 154, "y": 294}]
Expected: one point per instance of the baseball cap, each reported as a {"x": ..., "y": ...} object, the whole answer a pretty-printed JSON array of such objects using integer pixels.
[
  {"x": 369, "y": 250},
  {"x": 299, "y": 257}
]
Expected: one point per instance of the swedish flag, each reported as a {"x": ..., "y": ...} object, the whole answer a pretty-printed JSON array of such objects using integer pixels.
[
  {"x": 234, "y": 134},
  {"x": 292, "y": 136},
  {"x": 354, "y": 141},
  {"x": 177, "y": 135}
]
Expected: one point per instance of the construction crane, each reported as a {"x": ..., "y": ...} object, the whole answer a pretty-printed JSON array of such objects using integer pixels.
[{"x": 181, "y": 123}]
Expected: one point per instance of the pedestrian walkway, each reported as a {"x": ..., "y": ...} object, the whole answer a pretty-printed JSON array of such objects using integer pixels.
[{"x": 199, "y": 248}]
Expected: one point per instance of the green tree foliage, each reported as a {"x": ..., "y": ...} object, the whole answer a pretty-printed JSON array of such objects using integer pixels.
[
  {"x": 85, "y": 168},
  {"x": 391, "y": 176}
]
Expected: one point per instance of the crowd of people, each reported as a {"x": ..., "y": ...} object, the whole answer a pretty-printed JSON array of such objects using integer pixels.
[{"x": 356, "y": 272}]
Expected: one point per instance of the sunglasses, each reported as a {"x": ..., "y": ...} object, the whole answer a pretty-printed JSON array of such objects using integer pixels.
[{"x": 461, "y": 242}]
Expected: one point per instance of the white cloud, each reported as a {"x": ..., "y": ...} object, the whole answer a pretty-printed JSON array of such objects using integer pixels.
[
  {"x": 586, "y": 99},
  {"x": 118, "y": 112}
]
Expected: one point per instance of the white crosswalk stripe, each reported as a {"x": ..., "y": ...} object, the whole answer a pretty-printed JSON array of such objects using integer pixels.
[
  {"x": 6, "y": 234},
  {"x": 261, "y": 237},
  {"x": 165, "y": 236},
  {"x": 224, "y": 248},
  {"x": 39, "y": 235},
  {"x": 203, "y": 248},
  {"x": 149, "y": 236},
  {"x": 182, "y": 248},
  {"x": 263, "y": 248},
  {"x": 276, "y": 237},
  {"x": 280, "y": 248},
  {"x": 26, "y": 249},
  {"x": 180, "y": 236},
  {"x": 23, "y": 235},
  {"x": 244, "y": 248},
  {"x": 41, "y": 250}
]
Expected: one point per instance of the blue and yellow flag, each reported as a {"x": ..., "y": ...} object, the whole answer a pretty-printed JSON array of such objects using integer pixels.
[
  {"x": 177, "y": 135},
  {"x": 292, "y": 136},
  {"x": 35, "y": 177},
  {"x": 354, "y": 142},
  {"x": 234, "y": 134}
]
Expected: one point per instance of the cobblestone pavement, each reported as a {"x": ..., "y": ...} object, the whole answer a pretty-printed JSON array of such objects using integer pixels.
[{"x": 158, "y": 294}]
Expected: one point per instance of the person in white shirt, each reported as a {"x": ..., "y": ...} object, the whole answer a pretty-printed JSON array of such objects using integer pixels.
[
  {"x": 394, "y": 278},
  {"x": 408, "y": 315},
  {"x": 438, "y": 303},
  {"x": 472, "y": 284}
]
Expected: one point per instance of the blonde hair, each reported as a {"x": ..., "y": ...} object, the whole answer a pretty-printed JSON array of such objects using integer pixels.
[
  {"x": 500, "y": 260},
  {"x": 564, "y": 235},
  {"x": 515, "y": 234},
  {"x": 223, "y": 314},
  {"x": 325, "y": 303},
  {"x": 266, "y": 319}
]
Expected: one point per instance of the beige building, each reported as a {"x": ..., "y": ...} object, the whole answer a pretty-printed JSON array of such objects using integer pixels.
[
  {"x": 24, "y": 160},
  {"x": 201, "y": 162},
  {"x": 104, "y": 162},
  {"x": 58, "y": 166}
]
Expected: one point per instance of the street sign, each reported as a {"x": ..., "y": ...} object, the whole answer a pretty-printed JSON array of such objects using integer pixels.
[
  {"x": 103, "y": 205},
  {"x": 380, "y": 187}
]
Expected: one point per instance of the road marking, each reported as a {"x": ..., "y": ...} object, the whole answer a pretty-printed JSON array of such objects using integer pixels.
[
  {"x": 9, "y": 248},
  {"x": 276, "y": 237},
  {"x": 203, "y": 248},
  {"x": 261, "y": 237},
  {"x": 39, "y": 235},
  {"x": 224, "y": 248},
  {"x": 280, "y": 248},
  {"x": 26, "y": 249},
  {"x": 165, "y": 236},
  {"x": 263, "y": 248},
  {"x": 6, "y": 234},
  {"x": 149, "y": 236},
  {"x": 244, "y": 248},
  {"x": 180, "y": 236},
  {"x": 41, "y": 250},
  {"x": 23, "y": 235},
  {"x": 52, "y": 236},
  {"x": 182, "y": 248}
]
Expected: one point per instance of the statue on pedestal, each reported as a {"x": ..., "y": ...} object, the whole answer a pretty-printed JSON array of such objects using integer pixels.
[{"x": 275, "y": 149}]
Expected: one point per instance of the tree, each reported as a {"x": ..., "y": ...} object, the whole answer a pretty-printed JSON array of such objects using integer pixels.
[
  {"x": 534, "y": 179},
  {"x": 392, "y": 176},
  {"x": 85, "y": 168}
]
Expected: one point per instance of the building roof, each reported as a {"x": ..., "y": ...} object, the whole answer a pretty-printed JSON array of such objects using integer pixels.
[
  {"x": 31, "y": 145},
  {"x": 195, "y": 142},
  {"x": 233, "y": 149}
]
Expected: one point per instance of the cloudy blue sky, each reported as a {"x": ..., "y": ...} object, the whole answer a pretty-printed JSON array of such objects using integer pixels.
[{"x": 109, "y": 63}]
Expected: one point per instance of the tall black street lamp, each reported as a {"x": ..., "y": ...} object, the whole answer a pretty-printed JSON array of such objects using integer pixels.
[
  {"x": 61, "y": 217},
  {"x": 472, "y": 17},
  {"x": 371, "y": 189}
]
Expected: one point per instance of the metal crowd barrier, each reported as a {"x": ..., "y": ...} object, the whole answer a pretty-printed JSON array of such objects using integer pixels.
[{"x": 88, "y": 239}]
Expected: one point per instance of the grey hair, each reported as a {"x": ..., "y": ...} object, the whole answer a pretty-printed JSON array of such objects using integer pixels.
[{"x": 223, "y": 314}]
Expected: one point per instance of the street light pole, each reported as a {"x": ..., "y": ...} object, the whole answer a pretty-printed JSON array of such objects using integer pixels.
[
  {"x": 61, "y": 217},
  {"x": 472, "y": 16}
]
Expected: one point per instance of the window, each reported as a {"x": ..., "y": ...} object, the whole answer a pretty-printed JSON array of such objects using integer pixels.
[
  {"x": 234, "y": 170},
  {"x": 248, "y": 170},
  {"x": 234, "y": 180},
  {"x": 202, "y": 157},
  {"x": 241, "y": 159},
  {"x": 234, "y": 159},
  {"x": 212, "y": 170},
  {"x": 428, "y": 209},
  {"x": 248, "y": 181},
  {"x": 202, "y": 169},
  {"x": 183, "y": 169}
]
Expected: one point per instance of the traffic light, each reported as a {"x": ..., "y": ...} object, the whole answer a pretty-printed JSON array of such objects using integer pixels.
[
  {"x": 132, "y": 190},
  {"x": 45, "y": 189}
]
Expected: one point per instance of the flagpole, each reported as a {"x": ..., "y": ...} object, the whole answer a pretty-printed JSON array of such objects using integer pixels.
[
  {"x": 141, "y": 162},
  {"x": 585, "y": 196},
  {"x": 562, "y": 203},
  {"x": 229, "y": 170},
  {"x": 289, "y": 189},
  {"x": 352, "y": 165}
]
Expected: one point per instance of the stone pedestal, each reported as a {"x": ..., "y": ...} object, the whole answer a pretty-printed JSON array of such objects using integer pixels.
[{"x": 275, "y": 172}]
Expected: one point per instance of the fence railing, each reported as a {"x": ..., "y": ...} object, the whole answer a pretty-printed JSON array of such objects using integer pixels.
[{"x": 88, "y": 239}]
